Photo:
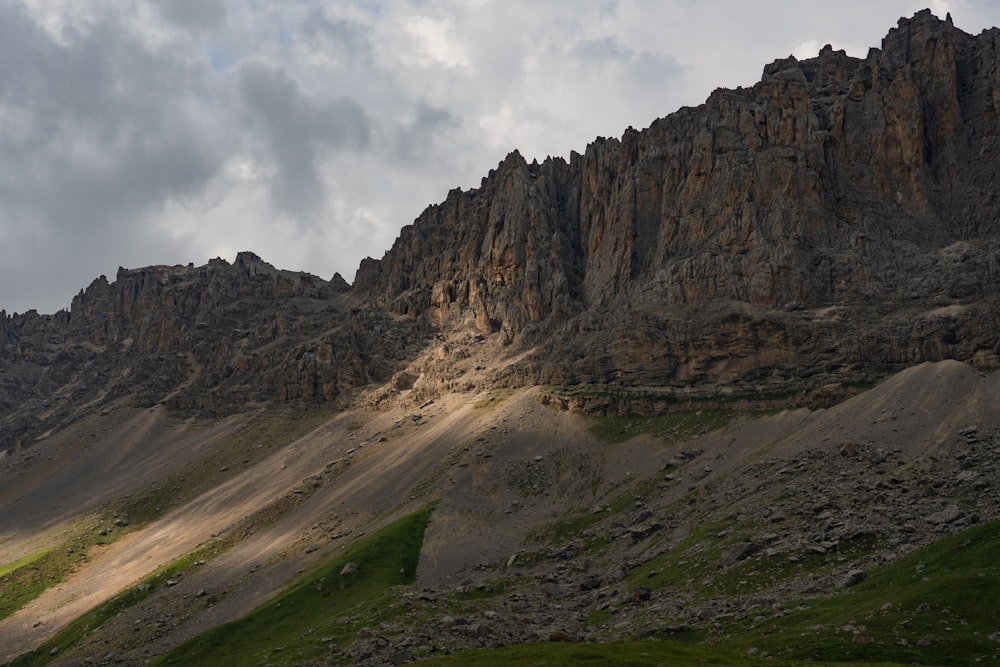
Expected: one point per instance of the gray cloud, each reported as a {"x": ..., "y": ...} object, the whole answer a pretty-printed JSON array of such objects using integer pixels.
[
  {"x": 415, "y": 137},
  {"x": 350, "y": 39},
  {"x": 297, "y": 130},
  {"x": 96, "y": 135},
  {"x": 598, "y": 50},
  {"x": 193, "y": 14}
]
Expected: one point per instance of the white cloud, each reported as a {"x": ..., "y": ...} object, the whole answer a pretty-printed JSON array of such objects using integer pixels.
[{"x": 436, "y": 43}]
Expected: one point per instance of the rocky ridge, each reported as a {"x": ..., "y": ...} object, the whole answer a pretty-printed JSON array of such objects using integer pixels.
[{"x": 212, "y": 339}]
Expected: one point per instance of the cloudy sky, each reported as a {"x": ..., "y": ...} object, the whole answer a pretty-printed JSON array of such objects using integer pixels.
[{"x": 138, "y": 132}]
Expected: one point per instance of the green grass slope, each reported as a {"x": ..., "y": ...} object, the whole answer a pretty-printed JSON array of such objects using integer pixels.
[
  {"x": 306, "y": 621},
  {"x": 649, "y": 653},
  {"x": 939, "y": 605}
]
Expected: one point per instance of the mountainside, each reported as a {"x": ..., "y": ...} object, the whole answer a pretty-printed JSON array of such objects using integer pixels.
[
  {"x": 698, "y": 383},
  {"x": 214, "y": 339},
  {"x": 838, "y": 219},
  {"x": 833, "y": 223}
]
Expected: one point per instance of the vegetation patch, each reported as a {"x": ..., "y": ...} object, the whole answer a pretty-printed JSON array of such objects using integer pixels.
[
  {"x": 94, "y": 619},
  {"x": 672, "y": 427},
  {"x": 685, "y": 564},
  {"x": 173, "y": 571},
  {"x": 934, "y": 606},
  {"x": 647, "y": 653},
  {"x": 30, "y": 559},
  {"x": 25, "y": 579},
  {"x": 314, "y": 615}
]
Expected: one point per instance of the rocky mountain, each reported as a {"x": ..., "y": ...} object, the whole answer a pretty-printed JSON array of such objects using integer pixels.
[
  {"x": 213, "y": 339},
  {"x": 712, "y": 292},
  {"x": 833, "y": 223}
]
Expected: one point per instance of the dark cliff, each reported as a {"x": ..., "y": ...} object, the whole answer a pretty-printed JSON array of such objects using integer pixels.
[
  {"x": 211, "y": 339},
  {"x": 800, "y": 189}
]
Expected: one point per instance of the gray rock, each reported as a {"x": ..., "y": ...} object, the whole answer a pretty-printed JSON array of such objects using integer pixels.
[
  {"x": 553, "y": 590},
  {"x": 402, "y": 657},
  {"x": 949, "y": 514},
  {"x": 736, "y": 553},
  {"x": 852, "y": 578},
  {"x": 643, "y": 531}
]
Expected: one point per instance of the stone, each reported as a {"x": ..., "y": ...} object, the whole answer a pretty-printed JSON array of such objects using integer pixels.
[
  {"x": 642, "y": 531},
  {"x": 852, "y": 578},
  {"x": 736, "y": 553},
  {"x": 553, "y": 590},
  {"x": 402, "y": 657},
  {"x": 949, "y": 514},
  {"x": 349, "y": 569}
]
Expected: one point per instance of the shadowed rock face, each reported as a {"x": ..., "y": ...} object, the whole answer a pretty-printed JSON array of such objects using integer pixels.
[
  {"x": 837, "y": 221},
  {"x": 215, "y": 339}
]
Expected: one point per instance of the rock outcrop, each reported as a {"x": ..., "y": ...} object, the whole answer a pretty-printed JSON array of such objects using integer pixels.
[{"x": 211, "y": 339}]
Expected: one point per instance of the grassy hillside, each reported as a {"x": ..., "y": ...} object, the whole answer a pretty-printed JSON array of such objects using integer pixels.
[
  {"x": 306, "y": 621},
  {"x": 937, "y": 605},
  {"x": 650, "y": 653}
]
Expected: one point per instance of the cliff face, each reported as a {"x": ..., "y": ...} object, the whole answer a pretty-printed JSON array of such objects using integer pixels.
[
  {"x": 842, "y": 211},
  {"x": 800, "y": 189},
  {"x": 837, "y": 221}
]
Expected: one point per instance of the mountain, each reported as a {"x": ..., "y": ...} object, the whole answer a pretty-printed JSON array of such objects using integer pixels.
[
  {"x": 836, "y": 221},
  {"x": 754, "y": 335}
]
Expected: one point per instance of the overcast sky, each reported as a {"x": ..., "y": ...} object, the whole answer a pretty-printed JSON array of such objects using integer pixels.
[{"x": 138, "y": 132}]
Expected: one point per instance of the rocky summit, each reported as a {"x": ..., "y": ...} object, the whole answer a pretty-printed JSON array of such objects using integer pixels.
[{"x": 725, "y": 381}]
